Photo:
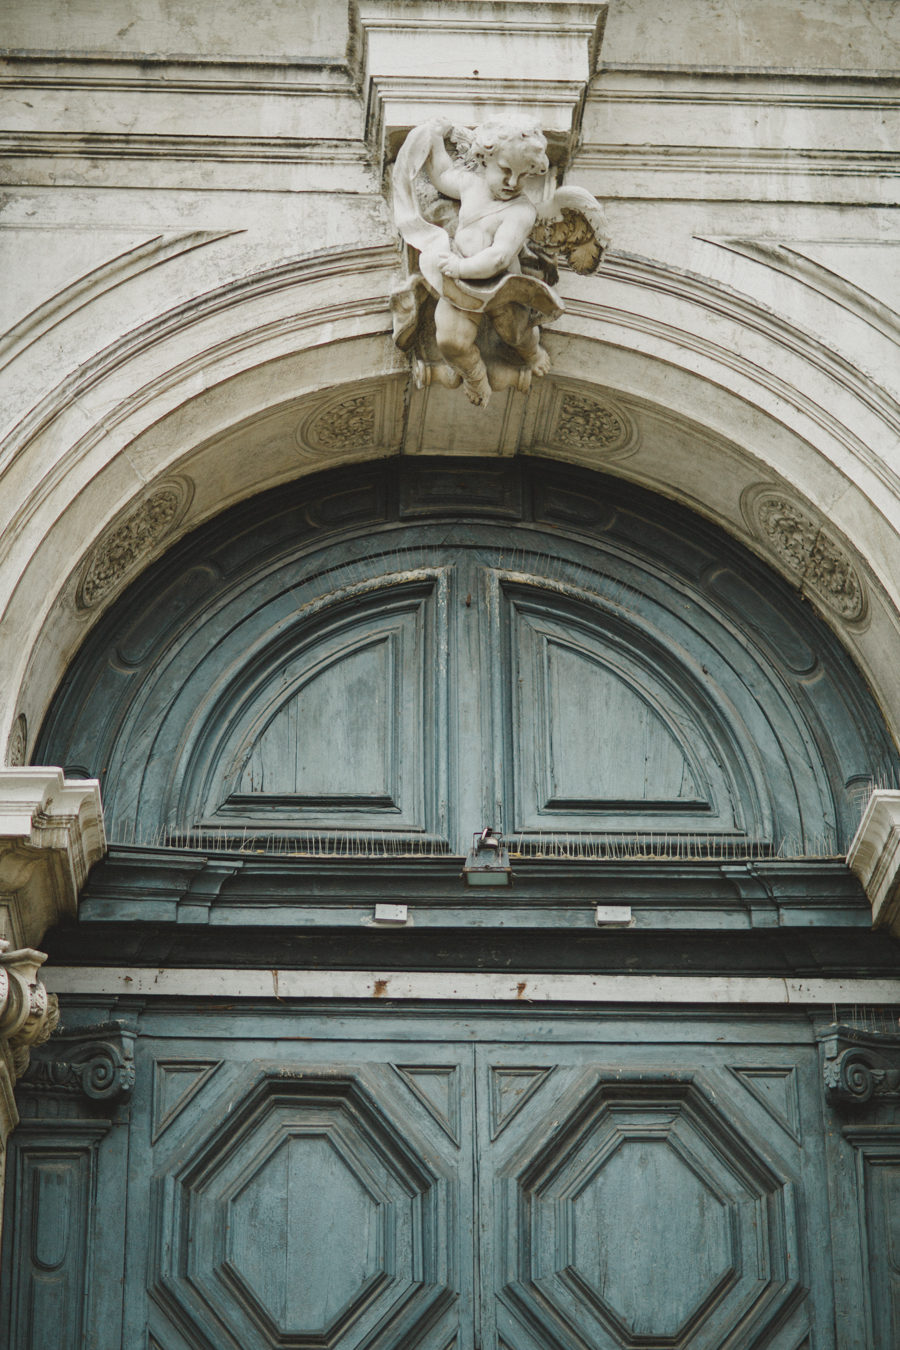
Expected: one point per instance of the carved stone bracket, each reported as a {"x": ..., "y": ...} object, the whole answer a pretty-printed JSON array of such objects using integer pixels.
[
  {"x": 861, "y": 1067},
  {"x": 51, "y": 834},
  {"x": 874, "y": 856},
  {"x": 96, "y": 1061}
]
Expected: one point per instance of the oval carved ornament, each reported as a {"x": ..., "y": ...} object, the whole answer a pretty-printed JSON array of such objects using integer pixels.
[
  {"x": 808, "y": 550},
  {"x": 18, "y": 743},
  {"x": 349, "y": 424},
  {"x": 122, "y": 547}
]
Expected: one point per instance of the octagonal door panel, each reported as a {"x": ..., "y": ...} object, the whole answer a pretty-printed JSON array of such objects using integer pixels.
[
  {"x": 302, "y": 1200},
  {"x": 531, "y": 1196},
  {"x": 631, "y": 1200}
]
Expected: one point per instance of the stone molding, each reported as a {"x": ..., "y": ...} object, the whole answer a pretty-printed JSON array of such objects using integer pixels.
[{"x": 874, "y": 856}]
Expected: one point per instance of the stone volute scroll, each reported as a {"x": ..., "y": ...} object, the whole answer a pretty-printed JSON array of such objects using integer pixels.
[
  {"x": 485, "y": 236},
  {"x": 861, "y": 1068}
]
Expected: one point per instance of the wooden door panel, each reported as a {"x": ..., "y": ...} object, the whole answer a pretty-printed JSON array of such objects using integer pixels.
[
  {"x": 881, "y": 1190},
  {"x": 336, "y": 728},
  {"x": 332, "y": 742},
  {"x": 638, "y": 1200},
  {"x": 605, "y": 734},
  {"x": 306, "y": 1201}
]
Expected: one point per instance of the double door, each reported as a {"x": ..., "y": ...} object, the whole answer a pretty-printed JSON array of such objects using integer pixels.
[{"x": 325, "y": 1189}]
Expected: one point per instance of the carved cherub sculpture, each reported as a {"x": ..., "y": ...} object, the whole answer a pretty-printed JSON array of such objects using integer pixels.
[{"x": 486, "y": 252}]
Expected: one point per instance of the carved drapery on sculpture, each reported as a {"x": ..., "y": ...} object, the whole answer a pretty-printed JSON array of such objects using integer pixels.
[{"x": 484, "y": 245}]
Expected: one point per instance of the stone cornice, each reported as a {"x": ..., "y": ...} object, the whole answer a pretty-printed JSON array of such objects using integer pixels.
[
  {"x": 874, "y": 856},
  {"x": 51, "y": 834}
]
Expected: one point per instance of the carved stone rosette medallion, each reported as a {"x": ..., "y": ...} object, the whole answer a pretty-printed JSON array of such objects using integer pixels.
[
  {"x": 18, "y": 743},
  {"x": 807, "y": 548},
  {"x": 583, "y": 425},
  {"x": 127, "y": 543},
  {"x": 347, "y": 425},
  {"x": 351, "y": 421}
]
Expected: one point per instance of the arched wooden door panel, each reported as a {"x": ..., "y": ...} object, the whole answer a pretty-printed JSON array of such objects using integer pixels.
[
  {"x": 372, "y": 658},
  {"x": 332, "y": 731}
]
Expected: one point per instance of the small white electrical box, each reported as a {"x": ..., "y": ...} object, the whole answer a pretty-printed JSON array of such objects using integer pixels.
[
  {"x": 391, "y": 914},
  {"x": 614, "y": 916}
]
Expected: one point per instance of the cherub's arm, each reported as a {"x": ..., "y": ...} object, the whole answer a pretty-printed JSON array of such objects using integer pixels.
[
  {"x": 439, "y": 166},
  {"x": 507, "y": 244}
]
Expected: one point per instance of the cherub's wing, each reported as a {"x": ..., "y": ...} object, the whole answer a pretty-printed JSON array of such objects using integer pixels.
[{"x": 572, "y": 226}]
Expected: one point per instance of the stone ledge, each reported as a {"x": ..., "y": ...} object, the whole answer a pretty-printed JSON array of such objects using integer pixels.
[
  {"x": 495, "y": 59},
  {"x": 51, "y": 834},
  {"x": 874, "y": 856}
]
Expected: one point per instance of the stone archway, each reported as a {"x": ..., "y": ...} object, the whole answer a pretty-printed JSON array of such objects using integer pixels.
[{"x": 669, "y": 381}]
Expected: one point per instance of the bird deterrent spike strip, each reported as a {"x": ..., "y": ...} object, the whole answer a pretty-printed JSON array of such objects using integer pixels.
[{"x": 538, "y": 845}]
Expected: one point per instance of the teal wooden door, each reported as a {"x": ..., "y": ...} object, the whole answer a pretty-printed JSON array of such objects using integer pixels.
[
  {"x": 302, "y": 1200},
  {"x": 649, "y": 1197},
  {"x": 388, "y": 659},
  {"x": 412, "y": 1193}
]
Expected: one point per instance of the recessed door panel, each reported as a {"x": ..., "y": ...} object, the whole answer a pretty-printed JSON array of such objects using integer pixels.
[
  {"x": 608, "y": 735},
  {"x": 336, "y": 731},
  {"x": 605, "y": 744},
  {"x": 632, "y": 1203},
  {"x": 307, "y": 1201},
  {"x": 332, "y": 743},
  {"x": 321, "y": 1188}
]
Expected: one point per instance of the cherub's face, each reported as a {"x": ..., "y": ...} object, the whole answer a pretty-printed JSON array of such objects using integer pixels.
[{"x": 505, "y": 173}]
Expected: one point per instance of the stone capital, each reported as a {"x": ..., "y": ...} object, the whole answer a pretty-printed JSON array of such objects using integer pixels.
[
  {"x": 51, "y": 834},
  {"x": 28, "y": 1015},
  {"x": 495, "y": 59}
]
